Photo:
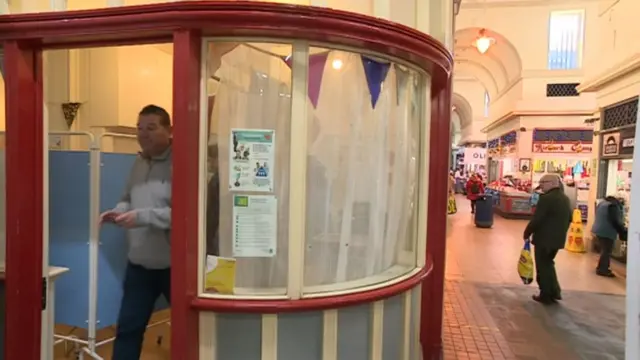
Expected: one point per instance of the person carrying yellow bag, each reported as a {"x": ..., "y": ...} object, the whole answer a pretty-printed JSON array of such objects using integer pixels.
[
  {"x": 525, "y": 264},
  {"x": 451, "y": 204}
]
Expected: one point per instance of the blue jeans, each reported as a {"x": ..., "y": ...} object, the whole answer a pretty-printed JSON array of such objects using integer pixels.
[{"x": 142, "y": 287}]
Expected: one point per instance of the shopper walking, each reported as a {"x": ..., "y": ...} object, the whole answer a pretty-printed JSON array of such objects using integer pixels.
[
  {"x": 548, "y": 232},
  {"x": 608, "y": 225},
  {"x": 475, "y": 189},
  {"x": 145, "y": 211}
]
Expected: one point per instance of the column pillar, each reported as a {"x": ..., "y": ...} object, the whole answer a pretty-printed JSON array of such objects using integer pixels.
[
  {"x": 24, "y": 196},
  {"x": 632, "y": 346},
  {"x": 433, "y": 289},
  {"x": 594, "y": 181}
]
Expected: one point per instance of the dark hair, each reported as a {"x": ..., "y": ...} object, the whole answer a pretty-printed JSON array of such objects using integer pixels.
[{"x": 165, "y": 119}]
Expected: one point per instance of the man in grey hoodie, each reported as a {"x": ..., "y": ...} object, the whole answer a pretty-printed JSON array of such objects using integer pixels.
[{"x": 145, "y": 211}]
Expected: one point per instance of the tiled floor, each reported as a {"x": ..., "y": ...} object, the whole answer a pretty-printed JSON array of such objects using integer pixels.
[{"x": 489, "y": 313}]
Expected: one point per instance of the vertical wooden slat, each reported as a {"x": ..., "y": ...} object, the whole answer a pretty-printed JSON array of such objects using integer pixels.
[
  {"x": 377, "y": 324},
  {"x": 184, "y": 235},
  {"x": 330, "y": 335},
  {"x": 269, "y": 337},
  {"x": 208, "y": 336}
]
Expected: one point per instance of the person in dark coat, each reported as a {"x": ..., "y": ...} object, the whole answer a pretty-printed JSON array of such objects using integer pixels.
[
  {"x": 608, "y": 225},
  {"x": 548, "y": 232}
]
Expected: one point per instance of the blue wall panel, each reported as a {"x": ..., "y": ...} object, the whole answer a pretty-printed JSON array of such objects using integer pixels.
[
  {"x": 354, "y": 332},
  {"x": 415, "y": 308},
  {"x": 69, "y": 235},
  {"x": 300, "y": 336},
  {"x": 239, "y": 336}
]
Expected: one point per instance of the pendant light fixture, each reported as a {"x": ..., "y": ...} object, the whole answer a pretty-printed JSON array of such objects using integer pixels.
[{"x": 483, "y": 42}]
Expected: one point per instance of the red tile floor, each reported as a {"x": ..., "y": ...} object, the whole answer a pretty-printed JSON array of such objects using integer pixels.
[{"x": 489, "y": 314}]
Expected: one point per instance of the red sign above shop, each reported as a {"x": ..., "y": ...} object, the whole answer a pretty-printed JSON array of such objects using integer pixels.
[
  {"x": 558, "y": 141},
  {"x": 574, "y": 148}
]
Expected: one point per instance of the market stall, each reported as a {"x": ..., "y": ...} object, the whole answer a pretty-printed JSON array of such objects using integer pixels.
[
  {"x": 501, "y": 152},
  {"x": 567, "y": 153},
  {"x": 511, "y": 197},
  {"x": 616, "y": 171}
]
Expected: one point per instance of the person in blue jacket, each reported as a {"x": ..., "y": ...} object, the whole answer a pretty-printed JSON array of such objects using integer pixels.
[{"x": 608, "y": 225}]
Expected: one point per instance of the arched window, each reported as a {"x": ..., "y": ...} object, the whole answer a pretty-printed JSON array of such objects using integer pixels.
[{"x": 487, "y": 100}]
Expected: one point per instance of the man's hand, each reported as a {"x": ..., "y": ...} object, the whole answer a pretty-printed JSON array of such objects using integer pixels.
[
  {"x": 127, "y": 220},
  {"x": 108, "y": 216}
]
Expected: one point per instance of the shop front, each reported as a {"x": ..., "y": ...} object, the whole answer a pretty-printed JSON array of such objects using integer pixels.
[
  {"x": 510, "y": 191},
  {"x": 567, "y": 153},
  {"x": 616, "y": 169},
  {"x": 501, "y": 152}
]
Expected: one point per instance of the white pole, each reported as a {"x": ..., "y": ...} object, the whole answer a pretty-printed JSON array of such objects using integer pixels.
[
  {"x": 94, "y": 213},
  {"x": 632, "y": 347}
]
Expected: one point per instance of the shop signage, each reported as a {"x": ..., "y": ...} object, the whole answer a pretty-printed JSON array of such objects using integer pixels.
[
  {"x": 475, "y": 156},
  {"x": 584, "y": 136},
  {"x": 611, "y": 144},
  {"x": 618, "y": 143},
  {"x": 504, "y": 145},
  {"x": 492, "y": 147},
  {"x": 559, "y": 148},
  {"x": 558, "y": 141}
]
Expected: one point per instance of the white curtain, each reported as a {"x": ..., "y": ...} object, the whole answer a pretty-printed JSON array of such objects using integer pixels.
[
  {"x": 361, "y": 166},
  {"x": 254, "y": 93},
  {"x": 361, "y": 175}
]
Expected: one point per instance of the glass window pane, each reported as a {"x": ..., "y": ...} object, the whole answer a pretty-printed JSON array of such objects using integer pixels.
[
  {"x": 362, "y": 170},
  {"x": 249, "y": 113},
  {"x": 566, "y": 29}
]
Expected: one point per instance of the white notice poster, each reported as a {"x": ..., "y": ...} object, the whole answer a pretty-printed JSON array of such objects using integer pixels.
[
  {"x": 255, "y": 225},
  {"x": 251, "y": 160}
]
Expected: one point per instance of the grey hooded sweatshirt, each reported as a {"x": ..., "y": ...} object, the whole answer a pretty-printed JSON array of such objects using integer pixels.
[{"x": 148, "y": 193}]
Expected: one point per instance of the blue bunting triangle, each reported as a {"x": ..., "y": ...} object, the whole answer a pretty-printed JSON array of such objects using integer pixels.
[{"x": 376, "y": 73}]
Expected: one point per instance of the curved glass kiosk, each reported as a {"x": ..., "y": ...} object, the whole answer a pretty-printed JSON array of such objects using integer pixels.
[{"x": 310, "y": 152}]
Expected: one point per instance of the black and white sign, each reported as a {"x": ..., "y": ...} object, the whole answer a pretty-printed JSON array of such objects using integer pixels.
[
  {"x": 610, "y": 144},
  {"x": 475, "y": 156}
]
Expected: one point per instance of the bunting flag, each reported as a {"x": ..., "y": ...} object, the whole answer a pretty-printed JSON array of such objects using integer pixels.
[
  {"x": 316, "y": 71},
  {"x": 376, "y": 73},
  {"x": 402, "y": 79}
]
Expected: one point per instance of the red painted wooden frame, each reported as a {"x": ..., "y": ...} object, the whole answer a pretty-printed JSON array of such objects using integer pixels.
[
  {"x": 24, "y": 190},
  {"x": 24, "y": 36}
]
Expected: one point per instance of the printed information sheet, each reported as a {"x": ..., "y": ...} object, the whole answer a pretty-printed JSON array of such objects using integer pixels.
[
  {"x": 255, "y": 225},
  {"x": 251, "y": 160}
]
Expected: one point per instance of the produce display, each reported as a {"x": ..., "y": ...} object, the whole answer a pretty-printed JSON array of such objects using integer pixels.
[
  {"x": 511, "y": 185},
  {"x": 511, "y": 197}
]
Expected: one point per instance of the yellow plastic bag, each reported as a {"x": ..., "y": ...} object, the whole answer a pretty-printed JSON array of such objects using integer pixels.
[
  {"x": 451, "y": 205},
  {"x": 525, "y": 264}
]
